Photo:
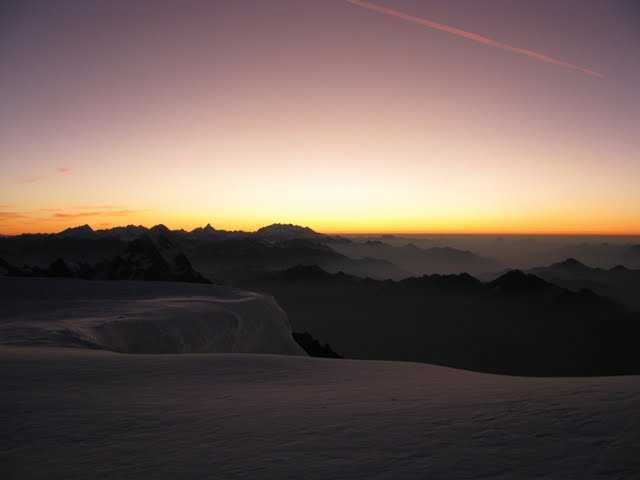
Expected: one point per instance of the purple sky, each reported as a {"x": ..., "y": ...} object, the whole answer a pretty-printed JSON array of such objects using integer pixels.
[{"x": 244, "y": 112}]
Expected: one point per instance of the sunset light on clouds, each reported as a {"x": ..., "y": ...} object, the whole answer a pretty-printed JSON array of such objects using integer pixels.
[{"x": 318, "y": 113}]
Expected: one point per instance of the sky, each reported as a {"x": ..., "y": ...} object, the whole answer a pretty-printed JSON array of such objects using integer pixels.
[{"x": 434, "y": 116}]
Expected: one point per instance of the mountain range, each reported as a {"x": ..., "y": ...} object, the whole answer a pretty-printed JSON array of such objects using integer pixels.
[
  {"x": 619, "y": 282},
  {"x": 419, "y": 261},
  {"x": 227, "y": 256},
  {"x": 564, "y": 319},
  {"x": 151, "y": 258},
  {"x": 220, "y": 255},
  {"x": 517, "y": 324}
]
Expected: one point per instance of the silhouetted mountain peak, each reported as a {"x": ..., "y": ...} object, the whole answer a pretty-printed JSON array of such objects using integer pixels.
[
  {"x": 571, "y": 264},
  {"x": 285, "y": 230},
  {"x": 160, "y": 229},
  {"x": 517, "y": 281},
  {"x": 619, "y": 269},
  {"x": 206, "y": 230},
  {"x": 127, "y": 232},
  {"x": 81, "y": 231}
]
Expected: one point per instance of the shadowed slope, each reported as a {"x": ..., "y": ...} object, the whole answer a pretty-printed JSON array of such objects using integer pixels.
[{"x": 518, "y": 324}]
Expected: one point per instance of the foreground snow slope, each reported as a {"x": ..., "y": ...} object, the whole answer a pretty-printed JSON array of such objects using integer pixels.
[
  {"x": 76, "y": 413},
  {"x": 141, "y": 317}
]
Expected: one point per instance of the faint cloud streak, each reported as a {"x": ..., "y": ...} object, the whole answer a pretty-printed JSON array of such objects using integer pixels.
[
  {"x": 473, "y": 37},
  {"x": 98, "y": 207},
  {"x": 6, "y": 216},
  {"x": 31, "y": 178},
  {"x": 109, "y": 213},
  {"x": 39, "y": 178}
]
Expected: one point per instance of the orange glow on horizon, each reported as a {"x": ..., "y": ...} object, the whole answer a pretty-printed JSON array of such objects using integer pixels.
[{"x": 336, "y": 228}]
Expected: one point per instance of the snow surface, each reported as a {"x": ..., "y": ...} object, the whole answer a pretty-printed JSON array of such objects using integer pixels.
[
  {"x": 141, "y": 317},
  {"x": 77, "y": 413}
]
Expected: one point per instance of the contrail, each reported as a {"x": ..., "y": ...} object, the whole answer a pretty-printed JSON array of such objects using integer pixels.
[{"x": 473, "y": 36}]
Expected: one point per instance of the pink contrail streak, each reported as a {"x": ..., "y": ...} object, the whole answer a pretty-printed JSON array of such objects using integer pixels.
[{"x": 472, "y": 36}]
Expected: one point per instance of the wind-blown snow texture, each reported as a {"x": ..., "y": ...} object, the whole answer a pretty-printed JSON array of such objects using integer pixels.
[
  {"x": 76, "y": 413},
  {"x": 141, "y": 317}
]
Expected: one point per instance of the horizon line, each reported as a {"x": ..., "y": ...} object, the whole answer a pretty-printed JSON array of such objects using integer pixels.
[{"x": 601, "y": 233}]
